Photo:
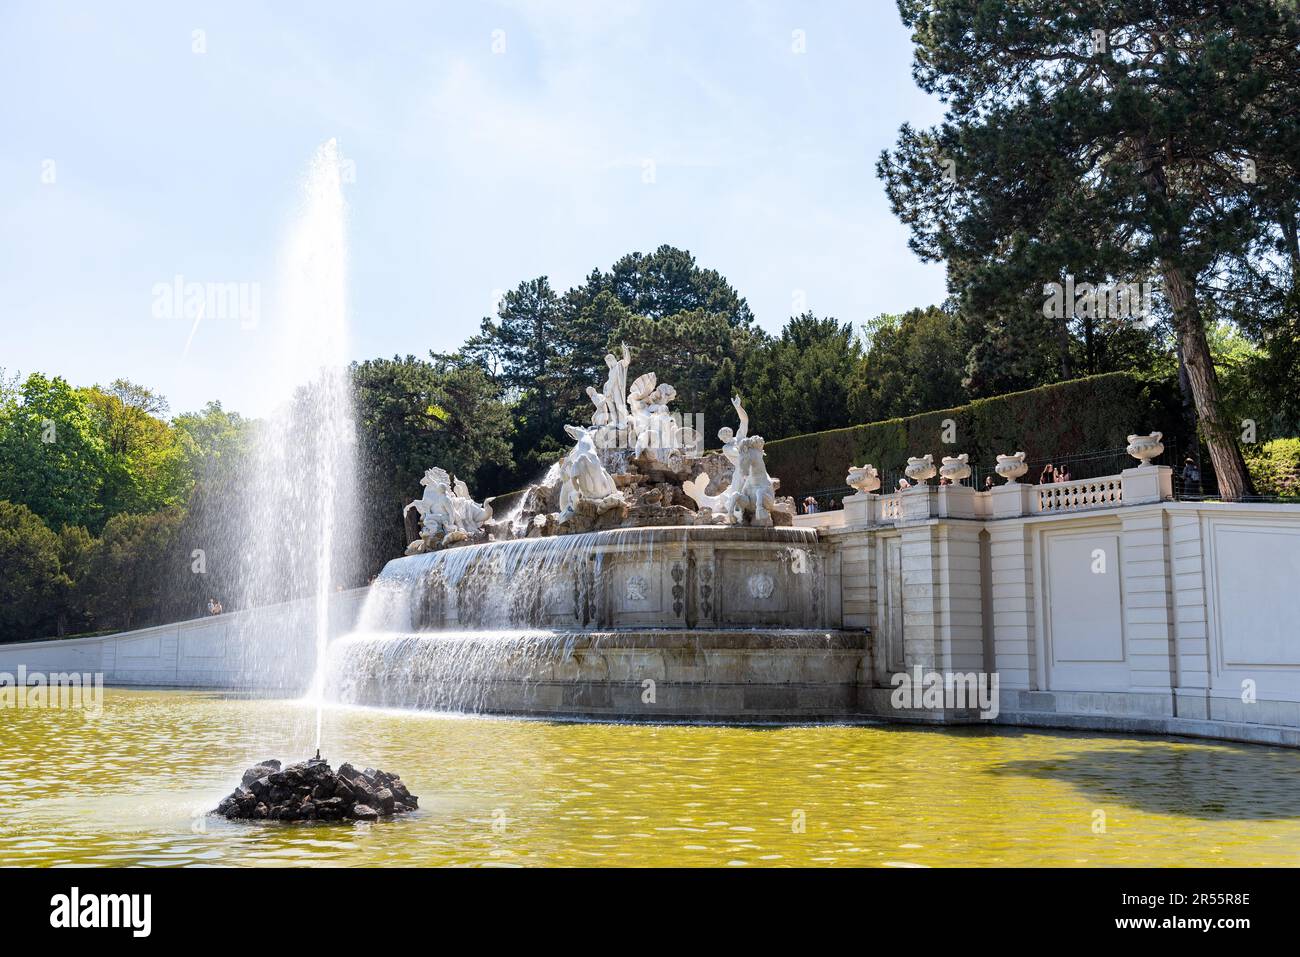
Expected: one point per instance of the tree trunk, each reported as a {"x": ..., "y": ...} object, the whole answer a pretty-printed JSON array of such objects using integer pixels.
[
  {"x": 1063, "y": 345},
  {"x": 1219, "y": 434},
  {"x": 1220, "y": 437}
]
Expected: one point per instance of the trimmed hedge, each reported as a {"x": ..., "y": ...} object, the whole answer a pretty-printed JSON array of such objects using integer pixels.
[{"x": 1081, "y": 415}]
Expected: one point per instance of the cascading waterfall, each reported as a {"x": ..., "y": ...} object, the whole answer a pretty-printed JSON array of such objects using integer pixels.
[{"x": 482, "y": 627}]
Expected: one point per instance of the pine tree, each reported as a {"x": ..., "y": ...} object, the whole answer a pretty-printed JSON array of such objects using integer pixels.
[{"x": 1104, "y": 140}]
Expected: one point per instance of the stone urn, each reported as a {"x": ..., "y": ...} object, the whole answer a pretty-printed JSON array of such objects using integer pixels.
[
  {"x": 1011, "y": 467},
  {"x": 920, "y": 469},
  {"x": 1144, "y": 448},
  {"x": 955, "y": 468},
  {"x": 864, "y": 479}
]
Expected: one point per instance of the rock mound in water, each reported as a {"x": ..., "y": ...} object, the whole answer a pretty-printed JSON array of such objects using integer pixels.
[{"x": 312, "y": 791}]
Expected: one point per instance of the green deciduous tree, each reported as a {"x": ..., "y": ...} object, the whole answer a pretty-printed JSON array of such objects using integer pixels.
[
  {"x": 914, "y": 363},
  {"x": 31, "y": 580},
  {"x": 78, "y": 550},
  {"x": 132, "y": 566},
  {"x": 52, "y": 456},
  {"x": 213, "y": 440},
  {"x": 145, "y": 466}
]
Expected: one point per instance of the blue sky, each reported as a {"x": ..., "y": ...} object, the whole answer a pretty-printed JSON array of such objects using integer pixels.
[{"x": 474, "y": 169}]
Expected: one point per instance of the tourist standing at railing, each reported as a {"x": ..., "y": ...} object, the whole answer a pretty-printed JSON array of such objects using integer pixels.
[
  {"x": 1048, "y": 475},
  {"x": 1191, "y": 477}
]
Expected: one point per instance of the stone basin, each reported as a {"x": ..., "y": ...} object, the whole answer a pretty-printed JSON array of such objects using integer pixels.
[
  {"x": 756, "y": 675},
  {"x": 678, "y": 577},
  {"x": 652, "y": 623}
]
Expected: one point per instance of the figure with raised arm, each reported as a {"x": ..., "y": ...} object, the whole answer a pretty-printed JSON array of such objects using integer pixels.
[{"x": 616, "y": 386}]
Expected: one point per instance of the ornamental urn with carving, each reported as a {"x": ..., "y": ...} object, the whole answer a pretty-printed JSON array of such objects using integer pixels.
[
  {"x": 920, "y": 469},
  {"x": 1144, "y": 448},
  {"x": 1011, "y": 467},
  {"x": 955, "y": 468}
]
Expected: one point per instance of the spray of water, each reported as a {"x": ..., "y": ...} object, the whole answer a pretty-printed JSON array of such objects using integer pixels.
[{"x": 298, "y": 525}]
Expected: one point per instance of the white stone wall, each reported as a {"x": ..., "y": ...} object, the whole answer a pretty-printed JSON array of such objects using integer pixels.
[
  {"x": 1155, "y": 611},
  {"x": 267, "y": 648}
]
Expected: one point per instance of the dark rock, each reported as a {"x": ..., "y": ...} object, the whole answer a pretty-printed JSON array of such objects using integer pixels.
[
  {"x": 260, "y": 770},
  {"x": 362, "y": 788},
  {"x": 312, "y": 791}
]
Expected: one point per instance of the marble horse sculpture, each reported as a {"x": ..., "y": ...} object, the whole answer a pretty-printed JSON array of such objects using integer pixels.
[
  {"x": 751, "y": 492},
  {"x": 721, "y": 504},
  {"x": 757, "y": 493},
  {"x": 447, "y": 512}
]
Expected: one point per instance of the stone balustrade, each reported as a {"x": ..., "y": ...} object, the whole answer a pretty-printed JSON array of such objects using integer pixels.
[
  {"x": 1080, "y": 494},
  {"x": 1136, "y": 486}
]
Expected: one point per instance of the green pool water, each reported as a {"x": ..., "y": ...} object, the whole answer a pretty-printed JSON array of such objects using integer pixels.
[{"x": 130, "y": 787}]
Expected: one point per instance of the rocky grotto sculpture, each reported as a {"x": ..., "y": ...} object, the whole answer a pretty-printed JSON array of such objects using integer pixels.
[{"x": 313, "y": 791}]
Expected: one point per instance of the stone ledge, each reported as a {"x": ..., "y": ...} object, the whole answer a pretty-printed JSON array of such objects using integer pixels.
[{"x": 1165, "y": 727}]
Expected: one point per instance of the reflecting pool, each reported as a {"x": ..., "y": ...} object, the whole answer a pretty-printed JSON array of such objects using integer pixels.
[{"x": 131, "y": 785}]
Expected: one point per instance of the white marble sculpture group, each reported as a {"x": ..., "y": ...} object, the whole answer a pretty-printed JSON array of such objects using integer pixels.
[
  {"x": 751, "y": 493},
  {"x": 447, "y": 513},
  {"x": 583, "y": 478},
  {"x": 635, "y": 418}
]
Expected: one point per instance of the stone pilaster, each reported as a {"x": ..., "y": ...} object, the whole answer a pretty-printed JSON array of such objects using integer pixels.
[
  {"x": 1014, "y": 630},
  {"x": 1191, "y": 630},
  {"x": 1148, "y": 615}
]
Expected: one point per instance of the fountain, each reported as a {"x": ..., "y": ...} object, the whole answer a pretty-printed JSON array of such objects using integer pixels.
[
  {"x": 640, "y": 579},
  {"x": 290, "y": 531}
]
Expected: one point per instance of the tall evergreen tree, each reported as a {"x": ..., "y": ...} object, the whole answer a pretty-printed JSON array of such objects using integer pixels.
[
  {"x": 1103, "y": 139},
  {"x": 913, "y": 364},
  {"x": 522, "y": 349},
  {"x": 800, "y": 380},
  {"x": 668, "y": 281}
]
